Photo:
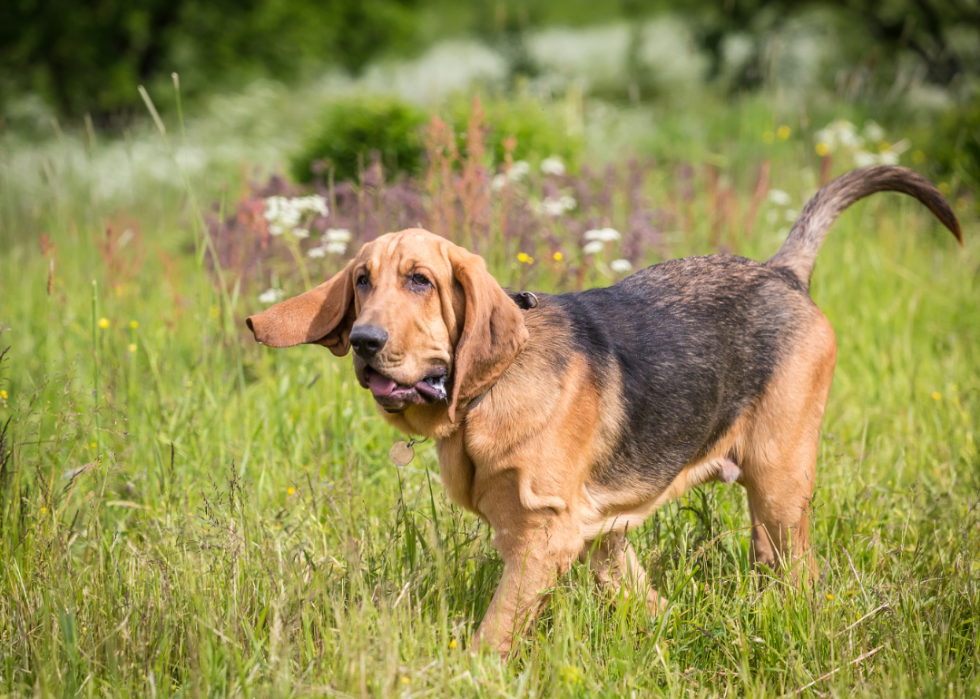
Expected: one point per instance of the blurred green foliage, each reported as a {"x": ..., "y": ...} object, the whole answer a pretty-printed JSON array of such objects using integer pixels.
[
  {"x": 348, "y": 130},
  {"x": 90, "y": 56},
  {"x": 540, "y": 128}
]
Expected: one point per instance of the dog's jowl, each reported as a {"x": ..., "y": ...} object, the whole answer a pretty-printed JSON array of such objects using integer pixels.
[{"x": 567, "y": 419}]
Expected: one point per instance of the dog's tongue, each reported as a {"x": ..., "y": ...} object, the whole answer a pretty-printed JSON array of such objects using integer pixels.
[{"x": 379, "y": 385}]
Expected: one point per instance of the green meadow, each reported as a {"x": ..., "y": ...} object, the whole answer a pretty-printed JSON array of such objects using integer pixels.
[{"x": 186, "y": 513}]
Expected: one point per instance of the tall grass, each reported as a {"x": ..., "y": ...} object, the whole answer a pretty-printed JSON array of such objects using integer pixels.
[{"x": 205, "y": 516}]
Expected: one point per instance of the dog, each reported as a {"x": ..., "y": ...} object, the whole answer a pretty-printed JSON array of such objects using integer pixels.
[{"x": 564, "y": 420}]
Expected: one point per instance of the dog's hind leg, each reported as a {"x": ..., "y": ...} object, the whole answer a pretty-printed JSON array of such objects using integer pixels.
[
  {"x": 617, "y": 570},
  {"x": 779, "y": 464}
]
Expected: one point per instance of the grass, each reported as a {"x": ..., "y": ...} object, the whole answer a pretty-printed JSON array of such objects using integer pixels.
[{"x": 183, "y": 512}]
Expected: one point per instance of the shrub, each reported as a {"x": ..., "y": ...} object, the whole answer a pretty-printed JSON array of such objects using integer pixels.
[
  {"x": 349, "y": 130},
  {"x": 540, "y": 128}
]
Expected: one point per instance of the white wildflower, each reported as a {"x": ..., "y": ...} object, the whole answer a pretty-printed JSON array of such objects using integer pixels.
[
  {"x": 790, "y": 215},
  {"x": 603, "y": 235},
  {"x": 555, "y": 207},
  {"x": 863, "y": 158},
  {"x": 336, "y": 247},
  {"x": 270, "y": 296},
  {"x": 286, "y": 215},
  {"x": 337, "y": 235},
  {"x": 316, "y": 252},
  {"x": 498, "y": 182},
  {"x": 593, "y": 247},
  {"x": 621, "y": 266},
  {"x": 519, "y": 170},
  {"x": 553, "y": 165},
  {"x": 873, "y": 131},
  {"x": 779, "y": 197}
]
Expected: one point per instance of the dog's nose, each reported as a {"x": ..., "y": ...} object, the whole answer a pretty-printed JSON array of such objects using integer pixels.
[{"x": 367, "y": 340}]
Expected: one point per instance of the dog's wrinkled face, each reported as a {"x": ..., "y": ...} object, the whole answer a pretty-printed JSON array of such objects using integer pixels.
[
  {"x": 407, "y": 303},
  {"x": 427, "y": 322}
]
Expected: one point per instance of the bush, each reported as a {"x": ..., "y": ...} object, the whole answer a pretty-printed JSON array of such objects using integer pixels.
[
  {"x": 540, "y": 129},
  {"x": 344, "y": 136}
]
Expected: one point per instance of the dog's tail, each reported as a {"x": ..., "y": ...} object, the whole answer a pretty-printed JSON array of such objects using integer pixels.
[{"x": 799, "y": 252}]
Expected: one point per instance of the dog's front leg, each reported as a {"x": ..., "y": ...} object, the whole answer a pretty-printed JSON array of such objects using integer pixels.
[{"x": 537, "y": 546}]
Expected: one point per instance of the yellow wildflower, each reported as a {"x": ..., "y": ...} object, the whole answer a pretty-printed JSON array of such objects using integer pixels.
[
  {"x": 290, "y": 491},
  {"x": 525, "y": 258},
  {"x": 404, "y": 680},
  {"x": 830, "y": 596},
  {"x": 935, "y": 395},
  {"x": 783, "y": 132},
  {"x": 132, "y": 346},
  {"x": 103, "y": 323},
  {"x": 3, "y": 395},
  {"x": 558, "y": 257},
  {"x": 822, "y": 149},
  {"x": 133, "y": 324},
  {"x": 452, "y": 643},
  {"x": 94, "y": 445}
]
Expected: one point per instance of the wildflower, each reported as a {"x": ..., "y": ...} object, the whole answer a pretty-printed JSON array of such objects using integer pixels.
[
  {"x": 316, "y": 252},
  {"x": 270, "y": 296},
  {"x": 3, "y": 395},
  {"x": 44, "y": 510},
  {"x": 621, "y": 266},
  {"x": 133, "y": 324},
  {"x": 498, "y": 182},
  {"x": 336, "y": 248},
  {"x": 822, "y": 149},
  {"x": 790, "y": 215},
  {"x": 132, "y": 347},
  {"x": 873, "y": 131},
  {"x": 593, "y": 247},
  {"x": 103, "y": 323},
  {"x": 783, "y": 132},
  {"x": 758, "y": 640},
  {"x": 557, "y": 257},
  {"x": 518, "y": 171},
  {"x": 337, "y": 235},
  {"x": 405, "y": 680},
  {"x": 290, "y": 491},
  {"x": 285, "y": 215},
  {"x": 830, "y": 596},
  {"x": 525, "y": 258},
  {"x": 603, "y": 235},
  {"x": 556, "y": 207},
  {"x": 553, "y": 165},
  {"x": 779, "y": 197},
  {"x": 768, "y": 137},
  {"x": 301, "y": 233},
  {"x": 94, "y": 445},
  {"x": 452, "y": 643},
  {"x": 935, "y": 395}
]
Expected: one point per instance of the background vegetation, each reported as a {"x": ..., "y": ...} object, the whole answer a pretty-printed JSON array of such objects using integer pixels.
[{"x": 183, "y": 512}]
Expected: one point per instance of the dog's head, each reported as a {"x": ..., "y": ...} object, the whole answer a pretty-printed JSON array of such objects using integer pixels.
[{"x": 418, "y": 311}]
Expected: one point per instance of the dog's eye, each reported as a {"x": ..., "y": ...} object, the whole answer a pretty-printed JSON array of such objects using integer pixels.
[
  {"x": 362, "y": 280},
  {"x": 420, "y": 280}
]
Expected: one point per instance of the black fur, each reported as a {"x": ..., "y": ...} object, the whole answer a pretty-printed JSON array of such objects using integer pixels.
[{"x": 695, "y": 340}]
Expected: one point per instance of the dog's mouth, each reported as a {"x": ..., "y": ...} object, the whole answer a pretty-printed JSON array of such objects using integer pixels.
[{"x": 394, "y": 397}]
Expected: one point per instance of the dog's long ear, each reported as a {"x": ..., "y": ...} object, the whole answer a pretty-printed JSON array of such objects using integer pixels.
[
  {"x": 493, "y": 330},
  {"x": 321, "y": 316}
]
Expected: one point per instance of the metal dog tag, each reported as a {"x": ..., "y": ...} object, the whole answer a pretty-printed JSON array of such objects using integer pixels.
[{"x": 401, "y": 454}]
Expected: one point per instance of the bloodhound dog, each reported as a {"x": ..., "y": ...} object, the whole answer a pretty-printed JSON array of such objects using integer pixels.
[{"x": 563, "y": 420}]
